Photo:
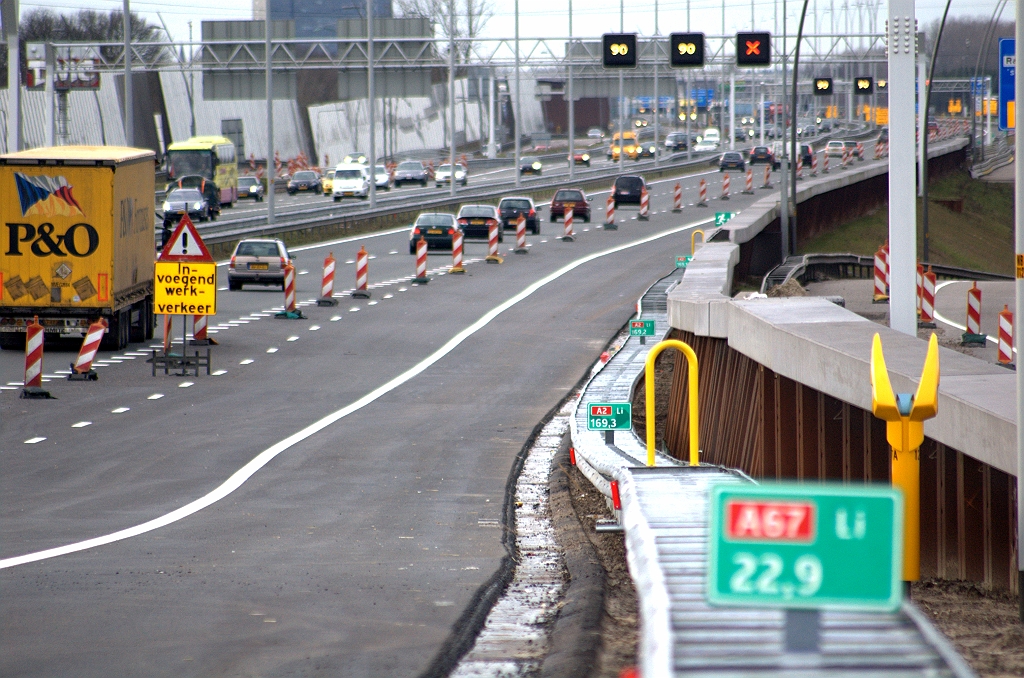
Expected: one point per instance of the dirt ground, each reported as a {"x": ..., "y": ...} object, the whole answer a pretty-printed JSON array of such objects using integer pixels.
[
  {"x": 983, "y": 625},
  {"x": 619, "y": 623}
]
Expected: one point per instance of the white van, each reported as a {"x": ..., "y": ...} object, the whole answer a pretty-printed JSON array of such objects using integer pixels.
[
  {"x": 351, "y": 180},
  {"x": 711, "y": 136}
]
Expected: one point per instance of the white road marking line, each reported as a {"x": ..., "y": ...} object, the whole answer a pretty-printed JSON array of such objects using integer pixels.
[
  {"x": 353, "y": 309},
  {"x": 8, "y": 388},
  {"x": 217, "y": 373},
  {"x": 335, "y": 318},
  {"x": 403, "y": 289},
  {"x": 239, "y": 477},
  {"x": 155, "y": 396},
  {"x": 393, "y": 252},
  {"x": 247, "y": 361},
  {"x": 272, "y": 349},
  {"x": 962, "y": 328},
  {"x": 371, "y": 303},
  {"x": 185, "y": 384},
  {"x": 314, "y": 328},
  {"x": 15, "y": 383},
  {"x": 119, "y": 410},
  {"x": 33, "y": 441},
  {"x": 372, "y": 256},
  {"x": 293, "y": 338},
  {"x": 389, "y": 296},
  {"x": 303, "y": 272},
  {"x": 350, "y": 261},
  {"x": 221, "y": 289},
  {"x": 81, "y": 424}
]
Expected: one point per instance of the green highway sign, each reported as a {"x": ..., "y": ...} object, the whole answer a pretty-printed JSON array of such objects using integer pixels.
[
  {"x": 805, "y": 546},
  {"x": 609, "y": 416},
  {"x": 641, "y": 328},
  {"x": 683, "y": 261},
  {"x": 722, "y": 217}
]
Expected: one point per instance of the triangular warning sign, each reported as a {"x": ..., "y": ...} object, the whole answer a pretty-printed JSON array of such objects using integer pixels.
[{"x": 185, "y": 244}]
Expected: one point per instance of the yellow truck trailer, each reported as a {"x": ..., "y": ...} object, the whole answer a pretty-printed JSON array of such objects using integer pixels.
[{"x": 77, "y": 242}]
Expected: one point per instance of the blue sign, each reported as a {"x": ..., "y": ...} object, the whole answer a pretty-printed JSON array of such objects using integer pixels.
[
  {"x": 703, "y": 96},
  {"x": 1007, "y": 76}
]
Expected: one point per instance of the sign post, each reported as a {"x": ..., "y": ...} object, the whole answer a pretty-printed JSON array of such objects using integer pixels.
[
  {"x": 805, "y": 548},
  {"x": 609, "y": 417}
]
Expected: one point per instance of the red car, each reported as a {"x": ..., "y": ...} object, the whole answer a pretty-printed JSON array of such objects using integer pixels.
[
  {"x": 581, "y": 159},
  {"x": 570, "y": 196}
]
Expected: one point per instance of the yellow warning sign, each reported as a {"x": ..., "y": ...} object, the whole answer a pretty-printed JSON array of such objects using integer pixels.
[
  {"x": 185, "y": 288},
  {"x": 1020, "y": 266}
]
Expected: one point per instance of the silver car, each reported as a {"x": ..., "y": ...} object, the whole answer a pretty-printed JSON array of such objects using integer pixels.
[{"x": 258, "y": 261}]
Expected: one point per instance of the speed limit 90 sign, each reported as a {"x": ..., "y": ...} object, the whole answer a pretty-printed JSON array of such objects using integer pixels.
[
  {"x": 686, "y": 49},
  {"x": 619, "y": 50}
]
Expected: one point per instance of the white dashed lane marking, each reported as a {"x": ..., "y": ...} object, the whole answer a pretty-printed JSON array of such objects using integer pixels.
[
  {"x": 155, "y": 396},
  {"x": 120, "y": 410},
  {"x": 81, "y": 424},
  {"x": 33, "y": 441}
]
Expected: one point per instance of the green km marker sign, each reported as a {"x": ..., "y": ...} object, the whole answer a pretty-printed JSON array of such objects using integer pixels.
[
  {"x": 641, "y": 328},
  {"x": 609, "y": 416},
  {"x": 801, "y": 546},
  {"x": 683, "y": 261},
  {"x": 722, "y": 217}
]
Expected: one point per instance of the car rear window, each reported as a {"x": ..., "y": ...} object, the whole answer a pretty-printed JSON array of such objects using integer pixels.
[
  {"x": 477, "y": 211},
  {"x": 247, "y": 181},
  {"x": 305, "y": 176},
  {"x": 184, "y": 194},
  {"x": 516, "y": 204},
  {"x": 732, "y": 156},
  {"x": 628, "y": 183},
  {"x": 562, "y": 196},
  {"x": 434, "y": 220},
  {"x": 410, "y": 166},
  {"x": 257, "y": 249},
  {"x": 348, "y": 174}
]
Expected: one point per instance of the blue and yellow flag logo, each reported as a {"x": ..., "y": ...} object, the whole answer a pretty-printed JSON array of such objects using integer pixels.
[{"x": 46, "y": 196}]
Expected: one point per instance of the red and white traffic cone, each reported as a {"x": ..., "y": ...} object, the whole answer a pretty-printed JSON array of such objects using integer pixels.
[
  {"x": 168, "y": 321},
  {"x": 457, "y": 253},
  {"x": 878, "y": 150},
  {"x": 860, "y": 151},
  {"x": 327, "y": 282},
  {"x": 567, "y": 218},
  {"x": 290, "y": 311},
  {"x": 881, "y": 294},
  {"x": 824, "y": 166},
  {"x": 677, "y": 198},
  {"x": 362, "y": 274},
  {"x": 1005, "y": 336},
  {"x": 421, "y": 263},
  {"x": 920, "y": 288},
  {"x": 800, "y": 166},
  {"x": 492, "y": 244},
  {"x": 34, "y": 361},
  {"x": 645, "y": 205},
  {"x": 846, "y": 156},
  {"x": 973, "y": 334},
  {"x": 703, "y": 202},
  {"x": 609, "y": 215},
  {"x": 888, "y": 270},
  {"x": 749, "y": 190},
  {"x": 767, "y": 177},
  {"x": 200, "y": 337},
  {"x": 928, "y": 300},
  {"x": 81, "y": 369},
  {"x": 814, "y": 164},
  {"x": 725, "y": 187},
  {"x": 521, "y": 247}
]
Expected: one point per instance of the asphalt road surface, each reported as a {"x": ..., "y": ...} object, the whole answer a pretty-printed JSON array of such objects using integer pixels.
[{"x": 327, "y": 503}]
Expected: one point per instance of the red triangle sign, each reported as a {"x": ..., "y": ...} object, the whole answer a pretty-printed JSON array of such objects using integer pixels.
[{"x": 185, "y": 244}]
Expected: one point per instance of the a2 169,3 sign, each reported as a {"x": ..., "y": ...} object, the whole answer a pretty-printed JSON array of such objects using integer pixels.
[
  {"x": 609, "y": 416},
  {"x": 798, "y": 546}
]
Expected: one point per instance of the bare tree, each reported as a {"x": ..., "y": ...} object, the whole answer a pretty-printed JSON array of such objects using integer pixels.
[{"x": 471, "y": 16}]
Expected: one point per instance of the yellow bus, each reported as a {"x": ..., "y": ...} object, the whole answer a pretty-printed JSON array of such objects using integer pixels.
[{"x": 210, "y": 157}]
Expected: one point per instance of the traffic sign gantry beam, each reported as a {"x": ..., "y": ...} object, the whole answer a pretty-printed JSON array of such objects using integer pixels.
[
  {"x": 691, "y": 393},
  {"x": 905, "y": 415}
]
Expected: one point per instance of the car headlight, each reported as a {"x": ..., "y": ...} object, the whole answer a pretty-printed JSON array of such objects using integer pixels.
[
  {"x": 652, "y": 149},
  {"x": 586, "y": 157},
  {"x": 197, "y": 205},
  {"x": 254, "y": 189},
  {"x": 166, "y": 207},
  {"x": 536, "y": 165}
]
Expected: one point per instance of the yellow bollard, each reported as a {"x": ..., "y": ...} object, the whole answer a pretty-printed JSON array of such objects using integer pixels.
[
  {"x": 691, "y": 359},
  {"x": 904, "y": 416},
  {"x": 693, "y": 238}
]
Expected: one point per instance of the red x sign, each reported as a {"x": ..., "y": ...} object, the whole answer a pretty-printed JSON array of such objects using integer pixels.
[{"x": 753, "y": 47}]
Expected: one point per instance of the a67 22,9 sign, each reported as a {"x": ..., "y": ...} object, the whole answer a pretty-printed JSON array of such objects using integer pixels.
[
  {"x": 609, "y": 416},
  {"x": 798, "y": 546}
]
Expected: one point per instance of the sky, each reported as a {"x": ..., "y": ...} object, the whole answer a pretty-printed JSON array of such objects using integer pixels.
[{"x": 538, "y": 18}]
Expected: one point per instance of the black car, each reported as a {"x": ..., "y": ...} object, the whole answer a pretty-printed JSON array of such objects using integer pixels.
[
  {"x": 511, "y": 208},
  {"x": 731, "y": 160},
  {"x": 182, "y": 201},
  {"x": 645, "y": 148},
  {"x": 250, "y": 187},
  {"x": 807, "y": 155},
  {"x": 763, "y": 155},
  {"x": 676, "y": 141},
  {"x": 531, "y": 165},
  {"x": 627, "y": 190},
  {"x": 476, "y": 221},
  {"x": 208, "y": 187},
  {"x": 437, "y": 228},
  {"x": 411, "y": 172},
  {"x": 306, "y": 181}
]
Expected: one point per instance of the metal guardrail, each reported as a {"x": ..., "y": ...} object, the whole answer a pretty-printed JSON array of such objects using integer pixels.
[
  {"x": 664, "y": 516},
  {"x": 1003, "y": 155},
  {"x": 811, "y": 267}
]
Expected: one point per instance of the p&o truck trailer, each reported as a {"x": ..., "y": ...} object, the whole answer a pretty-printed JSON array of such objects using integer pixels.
[{"x": 78, "y": 243}]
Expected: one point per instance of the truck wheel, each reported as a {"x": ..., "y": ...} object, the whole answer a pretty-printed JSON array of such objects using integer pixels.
[
  {"x": 149, "y": 318},
  {"x": 137, "y": 333}
]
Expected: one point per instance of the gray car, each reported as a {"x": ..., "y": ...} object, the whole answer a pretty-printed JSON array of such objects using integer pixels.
[
  {"x": 250, "y": 187},
  {"x": 411, "y": 172},
  {"x": 258, "y": 261}
]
